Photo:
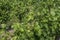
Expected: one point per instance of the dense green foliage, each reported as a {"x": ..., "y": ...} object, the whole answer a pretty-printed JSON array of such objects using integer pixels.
[{"x": 29, "y": 19}]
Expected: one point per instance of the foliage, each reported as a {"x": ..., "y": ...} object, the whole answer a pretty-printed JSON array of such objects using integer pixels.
[{"x": 29, "y": 19}]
